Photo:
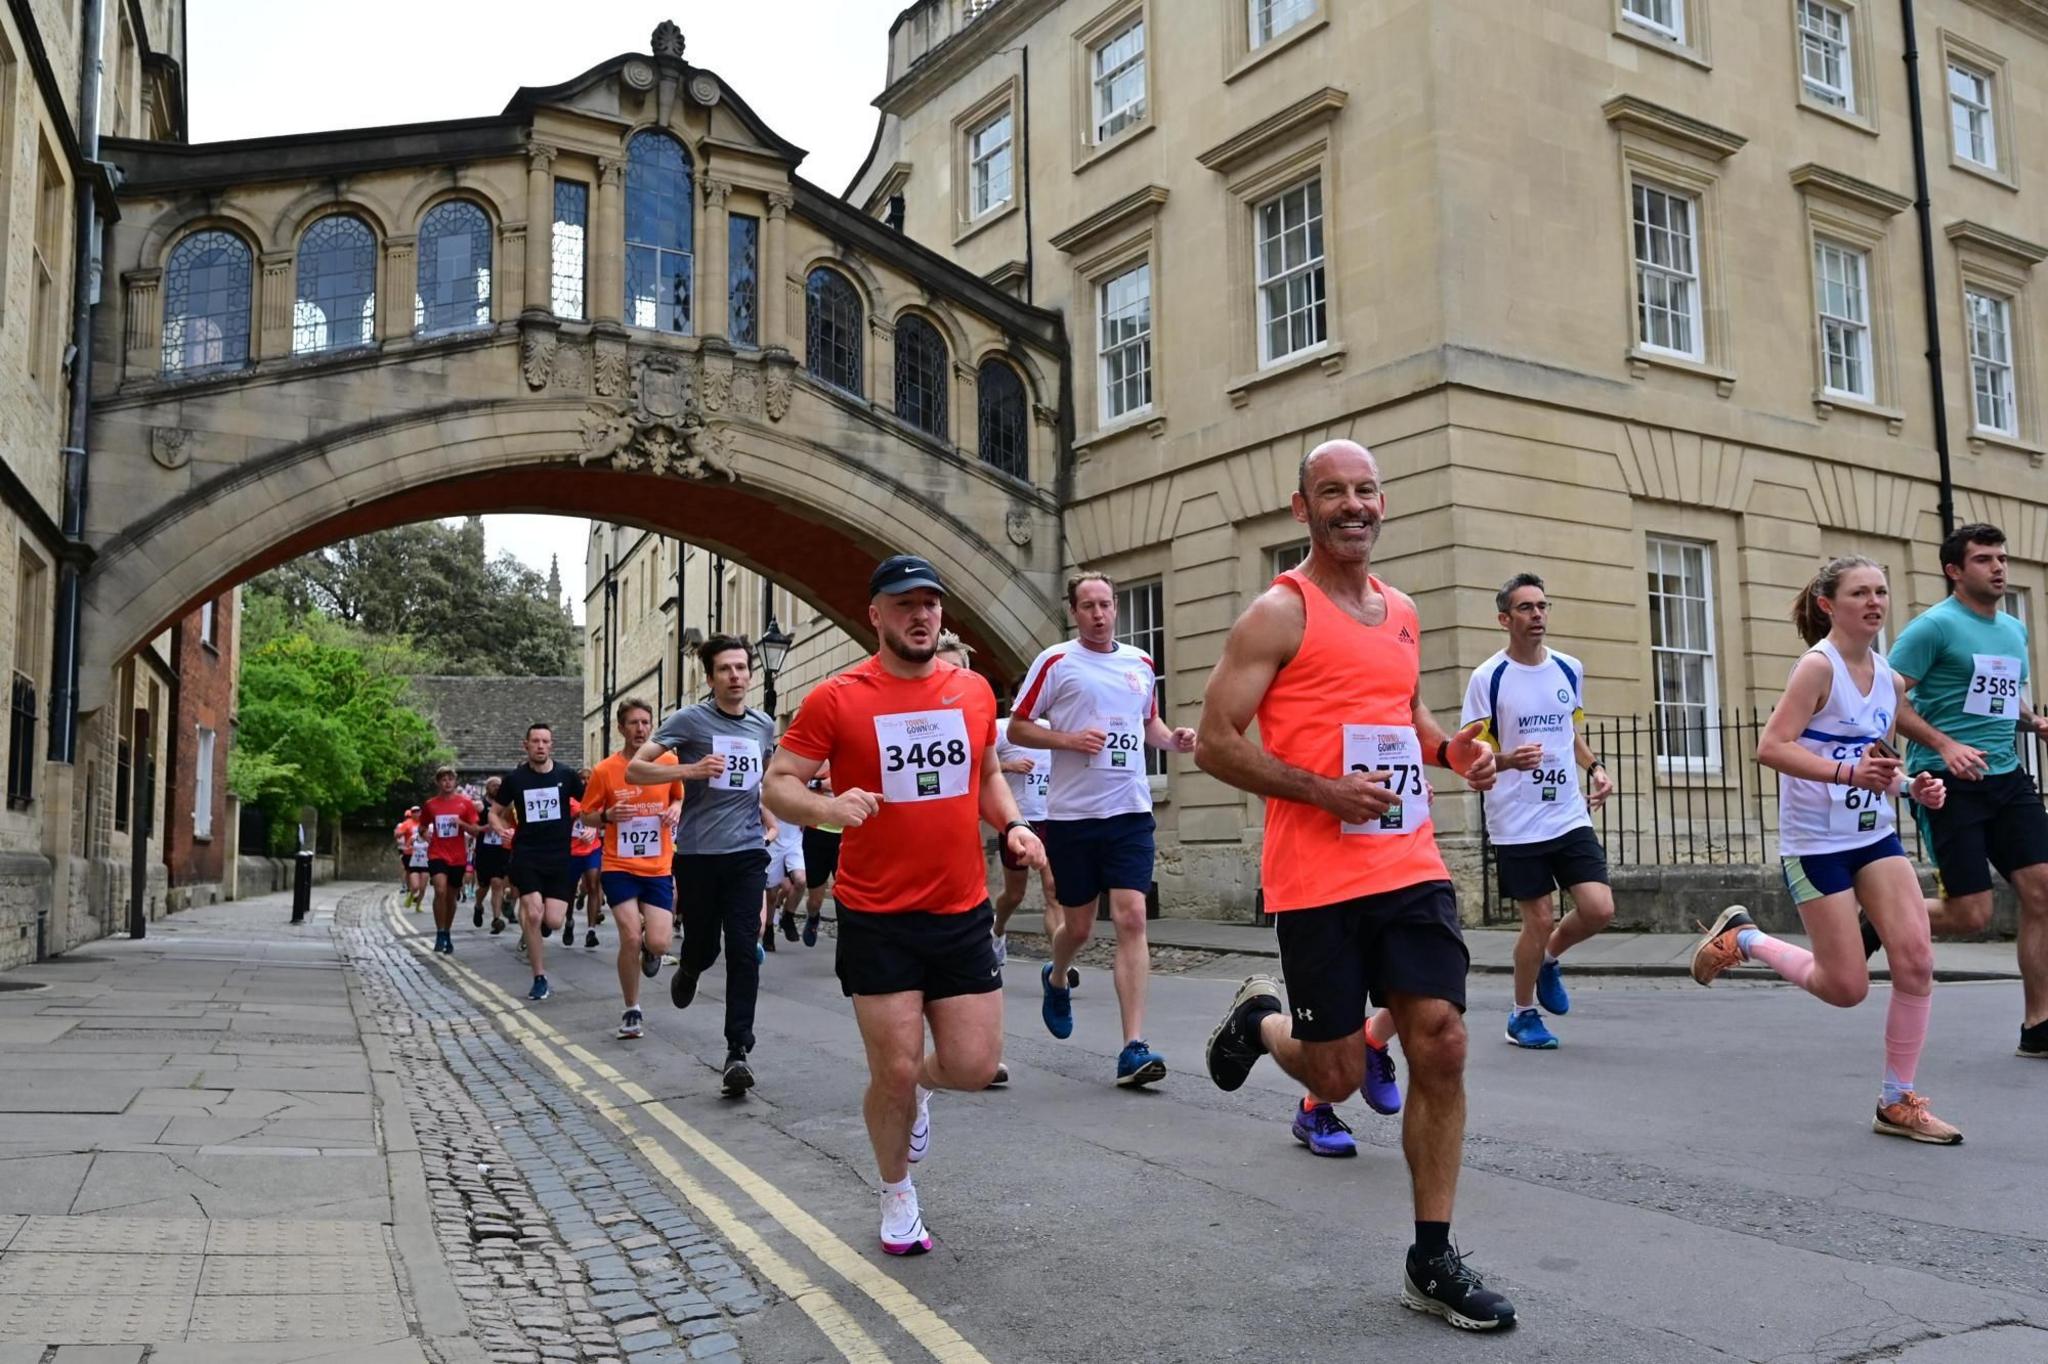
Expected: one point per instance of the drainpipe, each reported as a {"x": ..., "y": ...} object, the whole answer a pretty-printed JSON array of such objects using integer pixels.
[
  {"x": 1024, "y": 167},
  {"x": 76, "y": 461},
  {"x": 1923, "y": 210}
]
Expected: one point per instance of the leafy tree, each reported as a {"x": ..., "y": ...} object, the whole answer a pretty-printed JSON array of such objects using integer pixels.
[
  {"x": 323, "y": 718},
  {"x": 431, "y": 584}
]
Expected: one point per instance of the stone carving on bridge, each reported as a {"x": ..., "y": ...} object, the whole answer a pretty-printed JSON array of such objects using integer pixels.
[
  {"x": 572, "y": 369},
  {"x": 537, "y": 347},
  {"x": 663, "y": 431},
  {"x": 716, "y": 388},
  {"x": 611, "y": 366},
  {"x": 1017, "y": 525},
  {"x": 170, "y": 446},
  {"x": 781, "y": 382}
]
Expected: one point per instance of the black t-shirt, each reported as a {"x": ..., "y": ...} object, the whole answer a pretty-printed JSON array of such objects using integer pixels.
[{"x": 539, "y": 802}]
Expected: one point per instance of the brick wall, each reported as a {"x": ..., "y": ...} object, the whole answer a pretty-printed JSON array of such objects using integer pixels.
[{"x": 206, "y": 698}]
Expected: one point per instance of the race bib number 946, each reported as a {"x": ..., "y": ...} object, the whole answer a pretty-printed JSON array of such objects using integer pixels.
[
  {"x": 1396, "y": 751},
  {"x": 924, "y": 754}
]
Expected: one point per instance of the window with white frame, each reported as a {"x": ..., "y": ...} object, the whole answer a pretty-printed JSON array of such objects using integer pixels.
[
  {"x": 1685, "y": 690},
  {"x": 1271, "y": 18},
  {"x": 1119, "y": 80},
  {"x": 1665, "y": 18},
  {"x": 207, "y": 627},
  {"x": 1141, "y": 623},
  {"x": 1280, "y": 558},
  {"x": 1124, "y": 340},
  {"x": 1842, "y": 282},
  {"x": 1666, "y": 230},
  {"x": 988, "y": 165},
  {"x": 1825, "y": 64},
  {"x": 202, "y": 786},
  {"x": 1969, "y": 103},
  {"x": 1289, "y": 229},
  {"x": 1989, "y": 318}
]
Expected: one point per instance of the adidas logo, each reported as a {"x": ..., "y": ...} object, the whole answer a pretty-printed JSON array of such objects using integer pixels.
[{"x": 1405, "y": 637}]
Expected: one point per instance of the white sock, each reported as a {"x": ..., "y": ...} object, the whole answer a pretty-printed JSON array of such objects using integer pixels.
[
  {"x": 1549, "y": 958},
  {"x": 1521, "y": 1009},
  {"x": 900, "y": 1186}
]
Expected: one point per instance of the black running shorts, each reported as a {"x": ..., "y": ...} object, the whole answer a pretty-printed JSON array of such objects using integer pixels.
[
  {"x": 1530, "y": 871},
  {"x": 554, "y": 879},
  {"x": 1340, "y": 959},
  {"x": 935, "y": 955},
  {"x": 1992, "y": 822},
  {"x": 821, "y": 855}
]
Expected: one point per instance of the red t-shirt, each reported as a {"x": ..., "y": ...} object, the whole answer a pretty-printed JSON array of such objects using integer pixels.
[
  {"x": 918, "y": 743},
  {"x": 584, "y": 839},
  {"x": 445, "y": 839}
]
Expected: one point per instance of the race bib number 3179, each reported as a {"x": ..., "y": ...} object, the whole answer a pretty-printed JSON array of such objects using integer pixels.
[
  {"x": 542, "y": 804},
  {"x": 924, "y": 755}
]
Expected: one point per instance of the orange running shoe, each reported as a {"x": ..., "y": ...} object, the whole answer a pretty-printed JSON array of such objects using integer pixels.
[
  {"x": 1909, "y": 1118},
  {"x": 1717, "y": 951}
]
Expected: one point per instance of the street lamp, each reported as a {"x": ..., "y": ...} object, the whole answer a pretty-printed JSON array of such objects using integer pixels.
[{"x": 774, "y": 645}]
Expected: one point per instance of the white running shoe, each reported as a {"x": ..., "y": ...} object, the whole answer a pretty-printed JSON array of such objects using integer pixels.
[
  {"x": 921, "y": 1130},
  {"x": 903, "y": 1230},
  {"x": 1002, "y": 948}
]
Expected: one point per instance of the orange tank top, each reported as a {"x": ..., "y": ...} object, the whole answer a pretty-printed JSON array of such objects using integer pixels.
[{"x": 1346, "y": 700}]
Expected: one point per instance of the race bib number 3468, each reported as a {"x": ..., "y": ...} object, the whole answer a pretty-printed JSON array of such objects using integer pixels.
[{"x": 924, "y": 753}]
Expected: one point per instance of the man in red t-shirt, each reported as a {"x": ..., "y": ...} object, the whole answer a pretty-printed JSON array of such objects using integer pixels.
[
  {"x": 911, "y": 742},
  {"x": 447, "y": 819}
]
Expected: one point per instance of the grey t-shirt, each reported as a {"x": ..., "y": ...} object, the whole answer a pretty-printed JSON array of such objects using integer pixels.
[{"x": 722, "y": 814}]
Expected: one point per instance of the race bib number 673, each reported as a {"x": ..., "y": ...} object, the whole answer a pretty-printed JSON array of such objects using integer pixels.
[{"x": 924, "y": 755}]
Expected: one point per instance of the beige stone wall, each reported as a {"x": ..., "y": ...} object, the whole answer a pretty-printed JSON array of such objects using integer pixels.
[{"x": 1474, "y": 162}]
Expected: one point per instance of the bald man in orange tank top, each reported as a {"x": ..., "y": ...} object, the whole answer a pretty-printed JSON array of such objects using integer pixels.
[{"x": 1327, "y": 661}]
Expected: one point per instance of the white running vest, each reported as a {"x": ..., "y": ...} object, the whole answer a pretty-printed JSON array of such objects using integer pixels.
[{"x": 1821, "y": 817}]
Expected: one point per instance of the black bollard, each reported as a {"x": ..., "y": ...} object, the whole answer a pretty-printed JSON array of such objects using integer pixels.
[{"x": 302, "y": 884}]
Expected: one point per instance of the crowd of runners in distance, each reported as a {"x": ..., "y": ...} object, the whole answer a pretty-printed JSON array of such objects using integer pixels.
[{"x": 881, "y": 787}]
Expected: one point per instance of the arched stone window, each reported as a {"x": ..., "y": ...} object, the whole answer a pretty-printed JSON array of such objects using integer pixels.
[
  {"x": 336, "y": 306},
  {"x": 207, "y": 300},
  {"x": 921, "y": 365},
  {"x": 454, "y": 269},
  {"x": 660, "y": 229},
  {"x": 1004, "y": 426},
  {"x": 832, "y": 323}
]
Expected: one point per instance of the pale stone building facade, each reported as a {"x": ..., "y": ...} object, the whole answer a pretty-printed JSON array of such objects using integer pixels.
[{"x": 1627, "y": 292}]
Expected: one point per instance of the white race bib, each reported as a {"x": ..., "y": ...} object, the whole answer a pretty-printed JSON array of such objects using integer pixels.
[
  {"x": 444, "y": 826},
  {"x": 492, "y": 838},
  {"x": 1853, "y": 810},
  {"x": 1994, "y": 686},
  {"x": 1124, "y": 750},
  {"x": 742, "y": 762},
  {"x": 1038, "y": 781},
  {"x": 640, "y": 836},
  {"x": 924, "y": 754},
  {"x": 1556, "y": 780},
  {"x": 543, "y": 803},
  {"x": 419, "y": 852},
  {"x": 1395, "y": 750}
]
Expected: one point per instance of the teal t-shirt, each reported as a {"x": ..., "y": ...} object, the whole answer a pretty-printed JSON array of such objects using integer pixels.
[{"x": 1969, "y": 673}]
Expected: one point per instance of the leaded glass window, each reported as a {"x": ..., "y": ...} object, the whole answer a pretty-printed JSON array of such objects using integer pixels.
[
  {"x": 659, "y": 232},
  {"x": 207, "y": 300},
  {"x": 572, "y": 228},
  {"x": 921, "y": 364},
  {"x": 743, "y": 271},
  {"x": 832, "y": 324},
  {"x": 454, "y": 269},
  {"x": 336, "y": 306},
  {"x": 1004, "y": 443}
]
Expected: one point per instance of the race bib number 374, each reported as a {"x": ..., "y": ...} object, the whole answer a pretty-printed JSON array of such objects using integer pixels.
[{"x": 924, "y": 753}]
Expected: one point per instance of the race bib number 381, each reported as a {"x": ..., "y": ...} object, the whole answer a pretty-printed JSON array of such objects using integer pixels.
[
  {"x": 924, "y": 755},
  {"x": 1396, "y": 751},
  {"x": 742, "y": 762}
]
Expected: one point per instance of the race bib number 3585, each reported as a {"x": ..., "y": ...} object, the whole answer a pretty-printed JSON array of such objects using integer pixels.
[
  {"x": 1396, "y": 751},
  {"x": 924, "y": 753},
  {"x": 1994, "y": 686}
]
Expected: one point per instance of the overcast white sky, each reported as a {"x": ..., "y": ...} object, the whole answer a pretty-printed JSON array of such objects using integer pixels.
[{"x": 259, "y": 67}]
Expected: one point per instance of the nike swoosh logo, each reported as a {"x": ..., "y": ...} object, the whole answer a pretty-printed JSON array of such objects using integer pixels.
[{"x": 949, "y": 700}]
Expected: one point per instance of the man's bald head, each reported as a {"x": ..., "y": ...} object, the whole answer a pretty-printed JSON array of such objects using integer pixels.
[{"x": 1334, "y": 449}]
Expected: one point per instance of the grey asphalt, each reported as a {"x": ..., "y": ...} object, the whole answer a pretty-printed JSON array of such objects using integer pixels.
[{"x": 1692, "y": 1177}]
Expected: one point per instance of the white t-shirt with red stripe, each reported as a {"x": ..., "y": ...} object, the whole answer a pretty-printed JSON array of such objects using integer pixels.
[{"x": 1072, "y": 687}]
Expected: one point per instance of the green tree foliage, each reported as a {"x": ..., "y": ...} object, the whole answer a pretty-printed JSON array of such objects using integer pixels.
[
  {"x": 324, "y": 719},
  {"x": 431, "y": 584}
]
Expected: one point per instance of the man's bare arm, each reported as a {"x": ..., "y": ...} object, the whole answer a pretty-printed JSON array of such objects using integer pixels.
[{"x": 1262, "y": 642}]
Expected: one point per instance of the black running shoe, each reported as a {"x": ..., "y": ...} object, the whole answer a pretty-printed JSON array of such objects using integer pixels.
[
  {"x": 788, "y": 924},
  {"x": 590, "y": 938},
  {"x": 1001, "y": 1077},
  {"x": 497, "y": 925},
  {"x": 476, "y": 916},
  {"x": 738, "y": 1077},
  {"x": 768, "y": 937},
  {"x": 682, "y": 986},
  {"x": 650, "y": 963},
  {"x": 1446, "y": 1286},
  {"x": 2034, "y": 1042},
  {"x": 1871, "y": 942},
  {"x": 569, "y": 932},
  {"x": 1235, "y": 1046}
]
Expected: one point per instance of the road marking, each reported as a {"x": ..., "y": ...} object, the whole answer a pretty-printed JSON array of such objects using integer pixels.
[
  {"x": 840, "y": 1329},
  {"x": 921, "y": 1323}
]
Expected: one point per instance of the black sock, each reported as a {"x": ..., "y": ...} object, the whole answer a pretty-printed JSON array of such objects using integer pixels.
[
  {"x": 1871, "y": 942},
  {"x": 1432, "y": 1238}
]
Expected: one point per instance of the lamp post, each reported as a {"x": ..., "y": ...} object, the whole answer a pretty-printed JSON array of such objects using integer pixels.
[{"x": 774, "y": 645}]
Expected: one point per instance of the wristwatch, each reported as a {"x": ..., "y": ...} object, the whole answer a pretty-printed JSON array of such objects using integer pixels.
[{"x": 1015, "y": 824}]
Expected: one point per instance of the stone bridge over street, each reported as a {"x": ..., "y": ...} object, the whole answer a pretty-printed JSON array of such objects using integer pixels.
[{"x": 615, "y": 298}]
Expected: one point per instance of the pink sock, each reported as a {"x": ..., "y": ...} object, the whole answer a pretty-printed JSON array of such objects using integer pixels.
[
  {"x": 1793, "y": 963},
  {"x": 1905, "y": 1033}
]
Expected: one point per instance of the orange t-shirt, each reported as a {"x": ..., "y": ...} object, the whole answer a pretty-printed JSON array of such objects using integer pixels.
[
  {"x": 453, "y": 846},
  {"x": 644, "y": 829},
  {"x": 1347, "y": 699},
  {"x": 918, "y": 743}
]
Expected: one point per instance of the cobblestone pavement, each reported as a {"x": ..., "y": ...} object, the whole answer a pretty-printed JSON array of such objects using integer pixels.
[{"x": 561, "y": 1246}]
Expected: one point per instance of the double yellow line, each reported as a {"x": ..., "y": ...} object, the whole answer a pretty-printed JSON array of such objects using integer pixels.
[{"x": 919, "y": 1322}]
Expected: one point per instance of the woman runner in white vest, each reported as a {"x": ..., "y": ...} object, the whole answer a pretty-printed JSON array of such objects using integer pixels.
[{"x": 1828, "y": 740}]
